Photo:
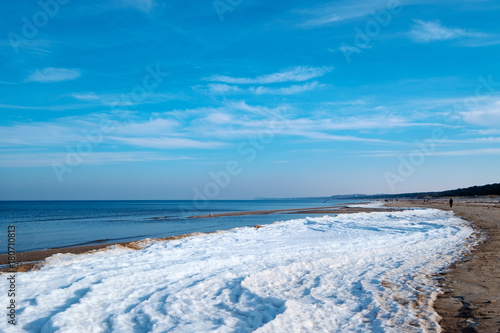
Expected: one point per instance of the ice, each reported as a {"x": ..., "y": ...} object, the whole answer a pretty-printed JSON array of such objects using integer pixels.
[{"x": 349, "y": 273}]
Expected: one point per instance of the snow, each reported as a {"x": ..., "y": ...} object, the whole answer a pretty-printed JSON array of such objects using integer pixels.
[
  {"x": 373, "y": 204},
  {"x": 348, "y": 273}
]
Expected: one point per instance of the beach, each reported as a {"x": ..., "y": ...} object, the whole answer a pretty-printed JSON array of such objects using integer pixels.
[
  {"x": 358, "y": 272},
  {"x": 240, "y": 166},
  {"x": 470, "y": 301},
  {"x": 31, "y": 259}
]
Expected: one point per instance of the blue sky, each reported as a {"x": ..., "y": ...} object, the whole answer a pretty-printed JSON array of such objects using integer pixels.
[{"x": 233, "y": 99}]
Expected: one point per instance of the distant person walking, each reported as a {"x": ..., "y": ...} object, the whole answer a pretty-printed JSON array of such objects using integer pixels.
[{"x": 451, "y": 203}]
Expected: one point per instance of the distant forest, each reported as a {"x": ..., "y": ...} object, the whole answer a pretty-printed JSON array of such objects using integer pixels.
[{"x": 490, "y": 189}]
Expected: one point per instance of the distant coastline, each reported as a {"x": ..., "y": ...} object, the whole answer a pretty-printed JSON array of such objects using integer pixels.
[{"x": 472, "y": 191}]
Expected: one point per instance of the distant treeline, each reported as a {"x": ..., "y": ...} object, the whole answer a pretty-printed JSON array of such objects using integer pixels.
[{"x": 490, "y": 189}]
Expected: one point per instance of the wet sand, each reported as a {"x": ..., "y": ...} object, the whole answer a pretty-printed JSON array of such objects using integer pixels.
[
  {"x": 26, "y": 261},
  {"x": 470, "y": 301},
  {"x": 316, "y": 210}
]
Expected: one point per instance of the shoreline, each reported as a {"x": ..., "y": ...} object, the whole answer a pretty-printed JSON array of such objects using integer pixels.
[
  {"x": 342, "y": 209},
  {"x": 469, "y": 300},
  {"x": 28, "y": 260},
  {"x": 470, "y": 297}
]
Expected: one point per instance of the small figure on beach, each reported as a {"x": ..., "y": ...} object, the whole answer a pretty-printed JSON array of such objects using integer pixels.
[{"x": 451, "y": 202}]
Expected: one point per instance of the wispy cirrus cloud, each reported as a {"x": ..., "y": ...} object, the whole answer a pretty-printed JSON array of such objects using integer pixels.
[
  {"x": 71, "y": 130},
  {"x": 239, "y": 120},
  {"x": 345, "y": 48},
  {"x": 481, "y": 140},
  {"x": 340, "y": 11},
  {"x": 104, "y": 99},
  {"x": 224, "y": 89},
  {"x": 296, "y": 74},
  {"x": 156, "y": 126},
  {"x": 260, "y": 110},
  {"x": 469, "y": 152},
  {"x": 37, "y": 134},
  {"x": 294, "y": 89},
  {"x": 462, "y": 152},
  {"x": 20, "y": 160},
  {"x": 430, "y": 31},
  {"x": 321, "y": 136},
  {"x": 166, "y": 142},
  {"x": 52, "y": 74},
  {"x": 189, "y": 130},
  {"x": 110, "y": 99},
  {"x": 239, "y": 85}
]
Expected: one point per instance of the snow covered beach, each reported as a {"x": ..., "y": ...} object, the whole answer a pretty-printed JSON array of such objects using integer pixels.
[{"x": 358, "y": 272}]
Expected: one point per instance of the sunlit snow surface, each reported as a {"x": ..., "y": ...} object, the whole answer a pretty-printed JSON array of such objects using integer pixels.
[
  {"x": 349, "y": 273},
  {"x": 373, "y": 204}
]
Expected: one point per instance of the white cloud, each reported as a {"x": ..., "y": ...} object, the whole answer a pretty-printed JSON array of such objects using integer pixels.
[
  {"x": 219, "y": 118},
  {"x": 297, "y": 74},
  {"x": 468, "y": 152},
  {"x": 152, "y": 127},
  {"x": 257, "y": 110},
  {"x": 489, "y": 131},
  {"x": 169, "y": 143},
  {"x": 473, "y": 140},
  {"x": 229, "y": 85},
  {"x": 72, "y": 130},
  {"x": 488, "y": 116},
  {"x": 294, "y": 89},
  {"x": 374, "y": 122},
  {"x": 123, "y": 99},
  {"x": 219, "y": 89},
  {"x": 202, "y": 128},
  {"x": 430, "y": 31},
  {"x": 52, "y": 74},
  {"x": 223, "y": 89},
  {"x": 346, "y": 48},
  {"x": 320, "y": 136},
  {"x": 248, "y": 120},
  {"x": 342, "y": 11},
  {"x": 86, "y": 96},
  {"x": 20, "y": 160},
  {"x": 37, "y": 134},
  {"x": 464, "y": 152},
  {"x": 24, "y": 107}
]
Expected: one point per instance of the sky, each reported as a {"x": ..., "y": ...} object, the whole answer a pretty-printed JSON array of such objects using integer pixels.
[{"x": 237, "y": 99}]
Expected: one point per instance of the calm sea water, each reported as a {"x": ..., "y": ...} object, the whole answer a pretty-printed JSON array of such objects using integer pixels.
[{"x": 47, "y": 224}]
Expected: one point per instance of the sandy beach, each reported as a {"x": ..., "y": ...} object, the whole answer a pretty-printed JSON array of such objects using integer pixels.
[{"x": 470, "y": 301}]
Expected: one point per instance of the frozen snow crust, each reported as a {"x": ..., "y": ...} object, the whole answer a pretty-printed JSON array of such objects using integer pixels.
[
  {"x": 349, "y": 273},
  {"x": 373, "y": 204}
]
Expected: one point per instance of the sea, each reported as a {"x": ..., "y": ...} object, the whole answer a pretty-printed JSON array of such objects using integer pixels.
[{"x": 42, "y": 225}]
